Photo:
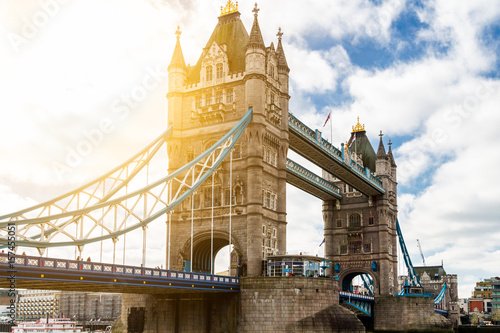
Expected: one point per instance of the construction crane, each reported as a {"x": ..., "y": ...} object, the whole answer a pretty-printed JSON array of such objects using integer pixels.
[{"x": 421, "y": 253}]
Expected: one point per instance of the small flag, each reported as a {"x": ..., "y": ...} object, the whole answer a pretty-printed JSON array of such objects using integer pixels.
[
  {"x": 327, "y": 118},
  {"x": 353, "y": 139},
  {"x": 322, "y": 242}
]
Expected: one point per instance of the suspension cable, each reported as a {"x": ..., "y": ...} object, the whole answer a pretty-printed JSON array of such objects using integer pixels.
[
  {"x": 212, "y": 230},
  {"x": 230, "y": 205},
  {"x": 192, "y": 223}
]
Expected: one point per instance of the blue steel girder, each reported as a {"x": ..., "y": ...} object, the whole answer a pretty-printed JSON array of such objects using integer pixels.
[
  {"x": 309, "y": 182},
  {"x": 360, "y": 302},
  {"x": 63, "y": 274},
  {"x": 312, "y": 146}
]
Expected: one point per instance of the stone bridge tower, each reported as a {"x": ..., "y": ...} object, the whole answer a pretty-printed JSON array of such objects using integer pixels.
[
  {"x": 360, "y": 230},
  {"x": 235, "y": 71}
]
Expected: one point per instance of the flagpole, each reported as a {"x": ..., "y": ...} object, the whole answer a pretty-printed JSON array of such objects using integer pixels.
[{"x": 331, "y": 129}]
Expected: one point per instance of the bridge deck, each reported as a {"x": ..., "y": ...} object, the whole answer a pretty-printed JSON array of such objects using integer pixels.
[
  {"x": 62, "y": 274},
  {"x": 309, "y": 182},
  {"x": 310, "y": 145}
]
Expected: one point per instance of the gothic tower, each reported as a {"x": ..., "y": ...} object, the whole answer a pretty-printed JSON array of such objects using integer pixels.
[
  {"x": 360, "y": 230},
  {"x": 235, "y": 72}
]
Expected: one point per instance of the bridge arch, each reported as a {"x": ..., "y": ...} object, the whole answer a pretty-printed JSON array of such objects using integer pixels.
[
  {"x": 202, "y": 248},
  {"x": 347, "y": 275}
]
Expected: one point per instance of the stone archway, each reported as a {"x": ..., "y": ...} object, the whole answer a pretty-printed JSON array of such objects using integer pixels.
[
  {"x": 202, "y": 249},
  {"x": 347, "y": 275}
]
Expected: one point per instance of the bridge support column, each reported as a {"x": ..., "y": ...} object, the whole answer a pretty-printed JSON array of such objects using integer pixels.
[
  {"x": 180, "y": 313},
  {"x": 400, "y": 314}
]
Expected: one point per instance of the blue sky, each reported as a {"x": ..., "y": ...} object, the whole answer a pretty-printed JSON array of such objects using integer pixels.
[{"x": 426, "y": 73}]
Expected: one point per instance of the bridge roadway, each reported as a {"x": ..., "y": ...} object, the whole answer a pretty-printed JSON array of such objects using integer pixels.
[
  {"x": 309, "y": 144},
  {"x": 61, "y": 274}
]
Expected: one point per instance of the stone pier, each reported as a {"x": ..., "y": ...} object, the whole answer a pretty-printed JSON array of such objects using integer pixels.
[{"x": 401, "y": 314}]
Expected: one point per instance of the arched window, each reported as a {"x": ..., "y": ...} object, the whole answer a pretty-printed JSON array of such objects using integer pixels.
[
  {"x": 355, "y": 220},
  {"x": 209, "y": 73},
  {"x": 219, "y": 70}
]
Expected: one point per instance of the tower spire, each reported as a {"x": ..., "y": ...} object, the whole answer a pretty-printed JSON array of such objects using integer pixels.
[
  {"x": 381, "y": 150},
  {"x": 255, "y": 40},
  {"x": 389, "y": 154},
  {"x": 282, "y": 64},
  {"x": 177, "y": 57}
]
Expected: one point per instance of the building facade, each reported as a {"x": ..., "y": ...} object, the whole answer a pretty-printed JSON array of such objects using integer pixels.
[
  {"x": 36, "y": 304},
  {"x": 81, "y": 306},
  {"x": 495, "y": 296},
  {"x": 235, "y": 72},
  {"x": 360, "y": 230}
]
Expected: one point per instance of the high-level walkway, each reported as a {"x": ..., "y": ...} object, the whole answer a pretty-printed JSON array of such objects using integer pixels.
[{"x": 309, "y": 144}]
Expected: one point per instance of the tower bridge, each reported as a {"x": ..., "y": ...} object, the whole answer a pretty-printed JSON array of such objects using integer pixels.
[{"x": 229, "y": 132}]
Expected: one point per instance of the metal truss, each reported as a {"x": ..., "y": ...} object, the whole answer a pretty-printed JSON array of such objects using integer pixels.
[
  {"x": 367, "y": 280},
  {"x": 414, "y": 280},
  {"x": 96, "y": 191},
  {"x": 104, "y": 217},
  {"x": 439, "y": 298}
]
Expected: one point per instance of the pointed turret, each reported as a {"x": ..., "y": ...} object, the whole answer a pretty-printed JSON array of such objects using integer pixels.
[
  {"x": 282, "y": 64},
  {"x": 177, "y": 73},
  {"x": 381, "y": 150},
  {"x": 383, "y": 166},
  {"x": 177, "y": 58},
  {"x": 389, "y": 155},
  {"x": 255, "y": 40}
]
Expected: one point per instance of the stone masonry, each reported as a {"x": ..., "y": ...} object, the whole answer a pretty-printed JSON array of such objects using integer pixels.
[
  {"x": 294, "y": 304},
  {"x": 400, "y": 314}
]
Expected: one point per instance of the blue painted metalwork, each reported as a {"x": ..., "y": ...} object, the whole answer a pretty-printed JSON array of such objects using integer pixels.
[
  {"x": 361, "y": 302},
  {"x": 232, "y": 137},
  {"x": 414, "y": 280},
  {"x": 368, "y": 282},
  {"x": 77, "y": 271},
  {"x": 312, "y": 179},
  {"x": 314, "y": 137},
  {"x": 440, "y": 296}
]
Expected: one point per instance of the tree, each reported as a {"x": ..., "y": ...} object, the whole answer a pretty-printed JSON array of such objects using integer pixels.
[
  {"x": 496, "y": 315},
  {"x": 476, "y": 318}
]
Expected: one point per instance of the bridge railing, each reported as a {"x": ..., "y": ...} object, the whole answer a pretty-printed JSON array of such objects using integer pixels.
[
  {"x": 320, "y": 182},
  {"x": 315, "y": 138},
  {"x": 346, "y": 294},
  {"x": 88, "y": 266}
]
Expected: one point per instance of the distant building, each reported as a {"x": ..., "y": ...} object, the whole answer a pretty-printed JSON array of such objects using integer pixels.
[
  {"x": 464, "y": 305},
  {"x": 484, "y": 289},
  {"x": 495, "y": 296},
  {"x": 36, "y": 304},
  {"x": 81, "y": 306},
  {"x": 476, "y": 305}
]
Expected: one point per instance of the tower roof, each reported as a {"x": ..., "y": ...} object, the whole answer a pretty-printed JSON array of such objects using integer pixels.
[
  {"x": 177, "y": 56},
  {"x": 231, "y": 32},
  {"x": 362, "y": 145},
  {"x": 256, "y": 39}
]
